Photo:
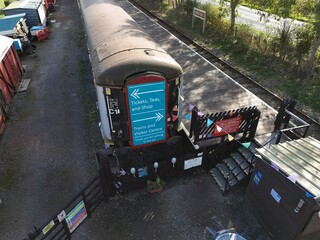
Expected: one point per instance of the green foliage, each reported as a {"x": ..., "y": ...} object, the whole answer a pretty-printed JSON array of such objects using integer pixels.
[
  {"x": 188, "y": 6},
  {"x": 155, "y": 186},
  {"x": 304, "y": 37},
  {"x": 215, "y": 16}
]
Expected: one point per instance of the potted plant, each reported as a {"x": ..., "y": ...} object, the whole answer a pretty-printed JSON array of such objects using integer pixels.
[{"x": 155, "y": 186}]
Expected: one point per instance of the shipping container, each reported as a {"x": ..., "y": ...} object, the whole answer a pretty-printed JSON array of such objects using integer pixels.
[
  {"x": 10, "y": 68},
  {"x": 14, "y": 26},
  {"x": 35, "y": 11}
]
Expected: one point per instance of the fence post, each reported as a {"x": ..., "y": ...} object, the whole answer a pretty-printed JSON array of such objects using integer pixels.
[
  {"x": 102, "y": 158},
  {"x": 195, "y": 125},
  {"x": 306, "y": 131},
  {"x": 279, "y": 137},
  {"x": 291, "y": 104},
  {"x": 35, "y": 234},
  {"x": 282, "y": 117},
  {"x": 86, "y": 204},
  {"x": 254, "y": 123},
  {"x": 66, "y": 229}
]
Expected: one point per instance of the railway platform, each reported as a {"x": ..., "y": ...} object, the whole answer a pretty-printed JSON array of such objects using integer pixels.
[{"x": 205, "y": 86}]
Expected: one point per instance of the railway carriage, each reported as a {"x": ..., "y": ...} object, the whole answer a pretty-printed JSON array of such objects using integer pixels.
[{"x": 137, "y": 82}]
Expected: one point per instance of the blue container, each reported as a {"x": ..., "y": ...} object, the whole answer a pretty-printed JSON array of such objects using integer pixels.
[
  {"x": 17, "y": 44},
  {"x": 34, "y": 29}
]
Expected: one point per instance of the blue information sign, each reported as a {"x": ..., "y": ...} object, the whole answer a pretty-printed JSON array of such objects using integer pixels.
[{"x": 147, "y": 104}]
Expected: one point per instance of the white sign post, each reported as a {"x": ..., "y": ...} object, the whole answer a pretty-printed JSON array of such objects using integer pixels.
[{"x": 198, "y": 13}]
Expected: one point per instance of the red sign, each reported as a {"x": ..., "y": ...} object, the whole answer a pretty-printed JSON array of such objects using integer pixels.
[
  {"x": 224, "y": 127},
  {"x": 199, "y": 14}
]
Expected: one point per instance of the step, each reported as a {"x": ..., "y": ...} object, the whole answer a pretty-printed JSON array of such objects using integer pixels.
[
  {"x": 226, "y": 172},
  {"x": 230, "y": 163},
  {"x": 223, "y": 168},
  {"x": 218, "y": 177},
  {"x": 232, "y": 180},
  {"x": 240, "y": 160},
  {"x": 245, "y": 153},
  {"x": 236, "y": 170},
  {"x": 221, "y": 180}
]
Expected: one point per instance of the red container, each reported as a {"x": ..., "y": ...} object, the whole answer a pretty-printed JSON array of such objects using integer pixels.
[
  {"x": 2, "y": 117},
  {"x": 10, "y": 68}
]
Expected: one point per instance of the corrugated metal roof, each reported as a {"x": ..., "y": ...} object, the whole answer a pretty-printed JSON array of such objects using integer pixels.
[
  {"x": 28, "y": 4},
  {"x": 9, "y": 22},
  {"x": 5, "y": 44},
  {"x": 298, "y": 158}
]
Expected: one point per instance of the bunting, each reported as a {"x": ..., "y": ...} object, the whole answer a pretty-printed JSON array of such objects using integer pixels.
[
  {"x": 246, "y": 144},
  {"x": 275, "y": 166},
  {"x": 191, "y": 106},
  {"x": 209, "y": 122},
  {"x": 230, "y": 138},
  {"x": 188, "y": 117},
  {"x": 292, "y": 178}
]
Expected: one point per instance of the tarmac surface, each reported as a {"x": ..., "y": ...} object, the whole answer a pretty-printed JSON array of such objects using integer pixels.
[
  {"x": 47, "y": 155},
  {"x": 47, "y": 149}
]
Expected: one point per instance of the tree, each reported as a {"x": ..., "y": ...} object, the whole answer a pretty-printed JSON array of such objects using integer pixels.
[
  {"x": 282, "y": 10},
  {"x": 233, "y": 6},
  {"x": 304, "y": 37},
  {"x": 316, "y": 40}
]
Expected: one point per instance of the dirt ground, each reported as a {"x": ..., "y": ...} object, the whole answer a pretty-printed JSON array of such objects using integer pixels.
[{"x": 47, "y": 156}]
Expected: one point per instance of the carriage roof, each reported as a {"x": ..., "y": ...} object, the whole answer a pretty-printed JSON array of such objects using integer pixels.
[{"x": 119, "y": 48}]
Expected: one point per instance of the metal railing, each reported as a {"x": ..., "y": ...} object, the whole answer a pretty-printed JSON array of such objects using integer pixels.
[{"x": 297, "y": 128}]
